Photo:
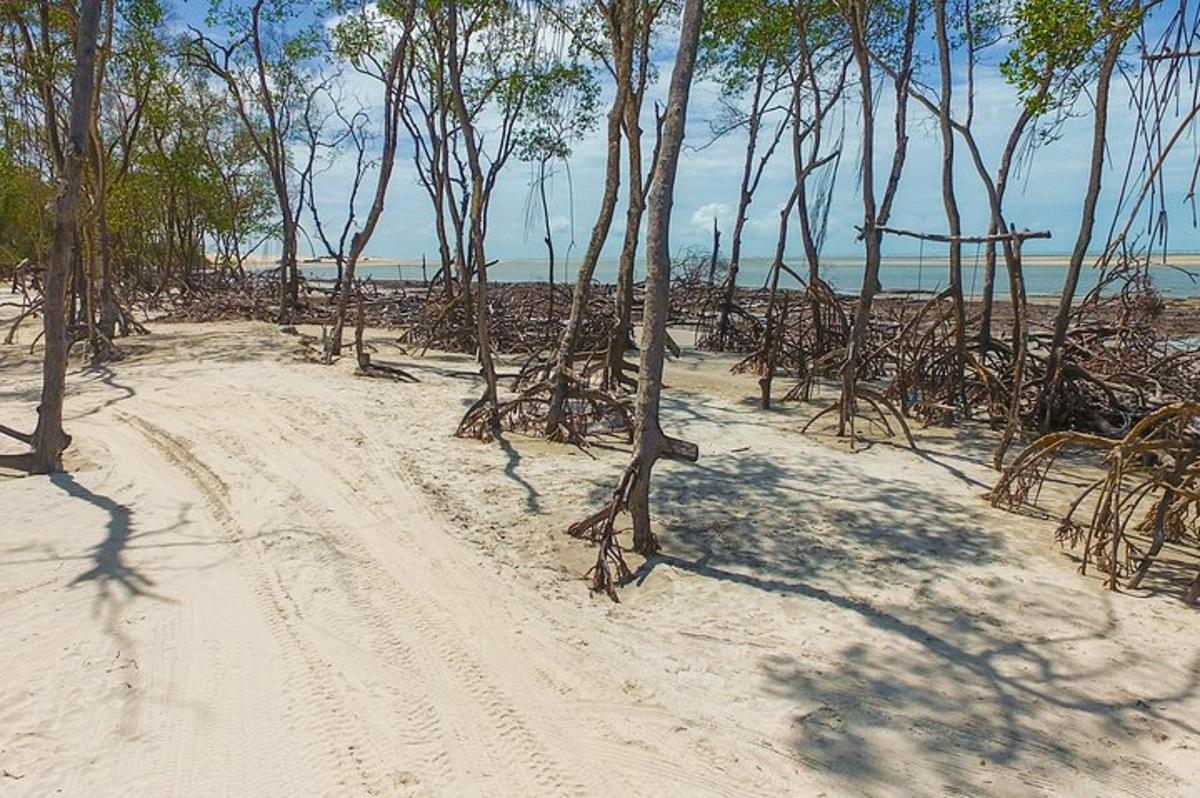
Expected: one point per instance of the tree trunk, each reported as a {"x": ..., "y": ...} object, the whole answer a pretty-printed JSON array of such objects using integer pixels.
[
  {"x": 393, "y": 97},
  {"x": 989, "y": 293},
  {"x": 873, "y": 218},
  {"x": 621, "y": 34},
  {"x": 1062, "y": 319},
  {"x": 813, "y": 257},
  {"x": 649, "y": 441},
  {"x": 858, "y": 333},
  {"x": 1016, "y": 284},
  {"x": 288, "y": 284},
  {"x": 800, "y": 174},
  {"x": 768, "y": 373},
  {"x": 871, "y": 236},
  {"x": 622, "y": 332},
  {"x": 549, "y": 239},
  {"x": 109, "y": 313},
  {"x": 716, "y": 251},
  {"x": 995, "y": 191},
  {"x": 490, "y": 397},
  {"x": 49, "y": 439},
  {"x": 744, "y": 197},
  {"x": 953, "y": 220}
]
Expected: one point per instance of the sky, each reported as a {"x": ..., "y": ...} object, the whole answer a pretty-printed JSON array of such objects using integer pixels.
[{"x": 1046, "y": 194}]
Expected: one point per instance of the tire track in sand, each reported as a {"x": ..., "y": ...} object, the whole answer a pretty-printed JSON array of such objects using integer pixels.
[
  {"x": 326, "y": 723},
  {"x": 428, "y": 642},
  {"x": 646, "y": 766}
]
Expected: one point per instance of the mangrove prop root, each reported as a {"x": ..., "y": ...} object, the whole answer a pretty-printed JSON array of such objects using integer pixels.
[{"x": 1148, "y": 493}]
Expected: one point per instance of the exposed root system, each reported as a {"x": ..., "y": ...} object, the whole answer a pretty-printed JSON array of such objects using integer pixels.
[{"x": 1146, "y": 497}]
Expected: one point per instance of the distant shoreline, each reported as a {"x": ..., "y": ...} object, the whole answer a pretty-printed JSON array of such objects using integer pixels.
[
  {"x": 1182, "y": 260},
  {"x": 1045, "y": 275}
]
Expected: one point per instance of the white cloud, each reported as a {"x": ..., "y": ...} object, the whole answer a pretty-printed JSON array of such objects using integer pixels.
[{"x": 704, "y": 215}]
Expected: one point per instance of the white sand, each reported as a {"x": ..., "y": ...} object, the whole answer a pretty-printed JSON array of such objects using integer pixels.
[{"x": 266, "y": 577}]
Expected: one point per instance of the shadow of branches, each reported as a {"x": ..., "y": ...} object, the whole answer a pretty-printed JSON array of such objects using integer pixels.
[
  {"x": 771, "y": 519},
  {"x": 976, "y": 707},
  {"x": 939, "y": 668},
  {"x": 109, "y": 567}
]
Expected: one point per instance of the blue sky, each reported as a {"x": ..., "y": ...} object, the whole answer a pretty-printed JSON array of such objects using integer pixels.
[{"x": 1047, "y": 194}]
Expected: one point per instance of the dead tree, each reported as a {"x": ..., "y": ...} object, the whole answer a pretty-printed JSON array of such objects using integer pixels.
[
  {"x": 753, "y": 167},
  {"x": 429, "y": 120},
  {"x": 650, "y": 443},
  {"x": 262, "y": 103},
  {"x": 49, "y": 440},
  {"x": 354, "y": 132}
]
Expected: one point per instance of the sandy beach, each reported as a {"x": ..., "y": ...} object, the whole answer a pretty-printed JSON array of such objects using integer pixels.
[{"x": 267, "y": 577}]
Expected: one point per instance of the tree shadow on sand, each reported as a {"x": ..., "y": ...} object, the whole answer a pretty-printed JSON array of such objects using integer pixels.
[
  {"x": 512, "y": 462},
  {"x": 109, "y": 568},
  {"x": 776, "y": 523},
  {"x": 968, "y": 682},
  {"x": 976, "y": 708}
]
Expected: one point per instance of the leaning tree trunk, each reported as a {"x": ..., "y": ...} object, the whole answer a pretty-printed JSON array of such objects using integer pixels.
[
  {"x": 560, "y": 377},
  {"x": 769, "y": 344},
  {"x": 1062, "y": 319},
  {"x": 49, "y": 440},
  {"x": 622, "y": 333},
  {"x": 813, "y": 257},
  {"x": 745, "y": 194},
  {"x": 393, "y": 88}
]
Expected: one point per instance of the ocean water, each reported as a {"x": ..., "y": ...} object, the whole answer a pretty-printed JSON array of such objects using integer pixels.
[{"x": 1044, "y": 275}]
